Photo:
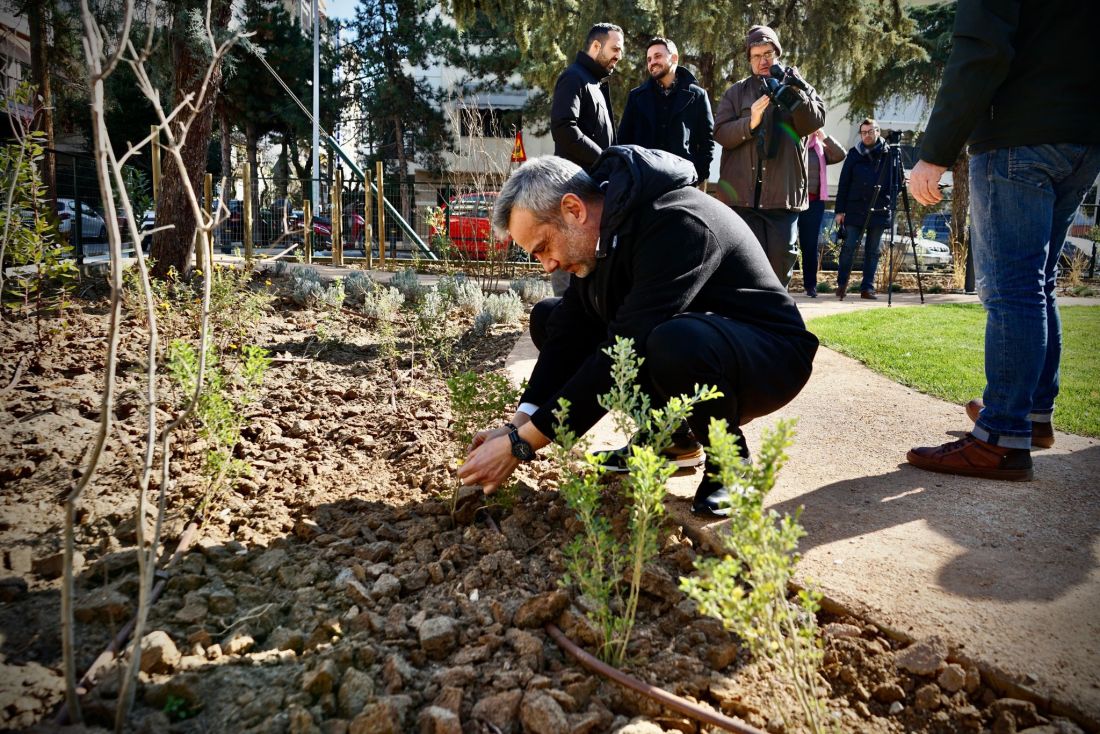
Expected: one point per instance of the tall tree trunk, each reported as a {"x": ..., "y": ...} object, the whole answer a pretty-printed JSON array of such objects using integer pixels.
[
  {"x": 252, "y": 143},
  {"x": 304, "y": 171},
  {"x": 960, "y": 211},
  {"x": 172, "y": 248},
  {"x": 37, "y": 19},
  {"x": 226, "y": 129},
  {"x": 403, "y": 164}
]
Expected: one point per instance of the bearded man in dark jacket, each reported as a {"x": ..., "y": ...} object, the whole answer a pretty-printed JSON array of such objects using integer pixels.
[
  {"x": 582, "y": 122},
  {"x": 661, "y": 263},
  {"x": 670, "y": 111}
]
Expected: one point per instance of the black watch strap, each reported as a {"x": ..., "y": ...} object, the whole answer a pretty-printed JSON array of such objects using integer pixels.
[{"x": 520, "y": 448}]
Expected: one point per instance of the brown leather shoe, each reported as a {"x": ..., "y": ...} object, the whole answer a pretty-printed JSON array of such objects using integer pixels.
[
  {"x": 869, "y": 295},
  {"x": 1042, "y": 434},
  {"x": 973, "y": 457}
]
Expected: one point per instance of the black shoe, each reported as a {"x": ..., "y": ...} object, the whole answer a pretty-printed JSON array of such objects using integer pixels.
[
  {"x": 683, "y": 453},
  {"x": 811, "y": 292},
  {"x": 711, "y": 499}
]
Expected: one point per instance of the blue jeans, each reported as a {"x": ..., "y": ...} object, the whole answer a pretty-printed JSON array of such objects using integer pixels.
[
  {"x": 871, "y": 252},
  {"x": 1022, "y": 201},
  {"x": 809, "y": 230}
]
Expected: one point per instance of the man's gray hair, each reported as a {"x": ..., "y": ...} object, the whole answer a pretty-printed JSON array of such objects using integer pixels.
[{"x": 538, "y": 186}]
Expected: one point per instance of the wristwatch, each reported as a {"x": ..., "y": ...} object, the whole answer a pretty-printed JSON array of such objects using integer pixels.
[{"x": 520, "y": 448}]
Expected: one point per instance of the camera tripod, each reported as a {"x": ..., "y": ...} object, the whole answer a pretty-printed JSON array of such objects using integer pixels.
[{"x": 891, "y": 166}]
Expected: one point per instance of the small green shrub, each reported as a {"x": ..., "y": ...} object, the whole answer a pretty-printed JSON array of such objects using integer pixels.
[
  {"x": 408, "y": 283},
  {"x": 499, "y": 308},
  {"x": 896, "y": 288},
  {"x": 358, "y": 285},
  {"x": 936, "y": 288},
  {"x": 383, "y": 303},
  {"x": 747, "y": 588},
  {"x": 595, "y": 561},
  {"x": 219, "y": 412},
  {"x": 532, "y": 289},
  {"x": 463, "y": 293},
  {"x": 825, "y": 287},
  {"x": 307, "y": 289}
]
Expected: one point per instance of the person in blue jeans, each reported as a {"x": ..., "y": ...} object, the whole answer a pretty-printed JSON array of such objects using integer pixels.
[
  {"x": 866, "y": 165},
  {"x": 1031, "y": 164}
]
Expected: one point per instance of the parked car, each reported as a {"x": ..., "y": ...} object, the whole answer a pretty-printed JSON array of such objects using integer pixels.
[
  {"x": 1076, "y": 248},
  {"x": 92, "y": 225},
  {"x": 933, "y": 254},
  {"x": 469, "y": 226}
]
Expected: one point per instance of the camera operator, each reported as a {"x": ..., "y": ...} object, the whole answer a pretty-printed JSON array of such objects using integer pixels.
[
  {"x": 763, "y": 171},
  {"x": 866, "y": 166}
]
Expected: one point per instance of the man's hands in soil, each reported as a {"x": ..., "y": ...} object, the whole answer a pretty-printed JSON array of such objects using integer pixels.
[{"x": 490, "y": 462}]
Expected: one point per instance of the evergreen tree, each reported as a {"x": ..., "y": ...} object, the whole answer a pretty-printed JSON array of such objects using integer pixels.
[{"x": 833, "y": 42}]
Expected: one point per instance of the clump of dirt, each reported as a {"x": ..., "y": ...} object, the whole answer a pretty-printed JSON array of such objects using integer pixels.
[{"x": 339, "y": 590}]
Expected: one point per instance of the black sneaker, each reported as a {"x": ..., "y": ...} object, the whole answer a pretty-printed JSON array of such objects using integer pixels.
[
  {"x": 711, "y": 499},
  {"x": 684, "y": 453}
]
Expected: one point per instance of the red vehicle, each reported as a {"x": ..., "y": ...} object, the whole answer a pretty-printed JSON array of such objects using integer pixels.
[{"x": 469, "y": 226}]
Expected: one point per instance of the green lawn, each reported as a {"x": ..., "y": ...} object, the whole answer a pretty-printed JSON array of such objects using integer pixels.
[{"x": 939, "y": 350}]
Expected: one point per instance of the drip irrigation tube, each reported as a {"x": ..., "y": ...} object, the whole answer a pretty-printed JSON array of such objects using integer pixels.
[
  {"x": 683, "y": 706},
  {"x": 88, "y": 680}
]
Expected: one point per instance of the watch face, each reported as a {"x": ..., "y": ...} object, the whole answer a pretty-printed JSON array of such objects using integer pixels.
[{"x": 520, "y": 448}]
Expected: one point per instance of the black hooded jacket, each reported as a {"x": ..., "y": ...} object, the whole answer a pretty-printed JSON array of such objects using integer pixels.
[
  {"x": 581, "y": 120},
  {"x": 665, "y": 248},
  {"x": 689, "y": 129}
]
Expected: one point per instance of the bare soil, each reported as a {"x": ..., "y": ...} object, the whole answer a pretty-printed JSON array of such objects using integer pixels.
[{"x": 335, "y": 590}]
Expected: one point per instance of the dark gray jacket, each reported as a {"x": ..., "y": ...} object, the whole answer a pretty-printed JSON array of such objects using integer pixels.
[
  {"x": 581, "y": 120},
  {"x": 689, "y": 132}
]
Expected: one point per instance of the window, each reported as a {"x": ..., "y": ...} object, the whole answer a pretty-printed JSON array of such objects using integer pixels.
[{"x": 490, "y": 122}]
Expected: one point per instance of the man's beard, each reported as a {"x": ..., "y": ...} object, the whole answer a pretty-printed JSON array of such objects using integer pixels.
[
  {"x": 658, "y": 72},
  {"x": 582, "y": 249},
  {"x": 604, "y": 61}
]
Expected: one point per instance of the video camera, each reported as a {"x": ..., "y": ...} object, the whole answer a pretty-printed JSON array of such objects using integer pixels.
[{"x": 781, "y": 87}]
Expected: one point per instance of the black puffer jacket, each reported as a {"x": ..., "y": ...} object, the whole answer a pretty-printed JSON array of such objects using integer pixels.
[
  {"x": 689, "y": 131},
  {"x": 582, "y": 122},
  {"x": 665, "y": 248}
]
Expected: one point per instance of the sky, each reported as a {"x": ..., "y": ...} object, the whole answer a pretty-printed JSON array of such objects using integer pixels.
[{"x": 344, "y": 9}]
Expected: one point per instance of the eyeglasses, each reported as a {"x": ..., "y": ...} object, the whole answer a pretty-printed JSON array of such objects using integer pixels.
[
  {"x": 869, "y": 131},
  {"x": 768, "y": 56}
]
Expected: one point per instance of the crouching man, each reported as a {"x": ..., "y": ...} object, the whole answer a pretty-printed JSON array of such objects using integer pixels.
[{"x": 659, "y": 262}]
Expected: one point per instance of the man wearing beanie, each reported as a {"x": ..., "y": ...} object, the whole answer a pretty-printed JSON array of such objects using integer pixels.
[{"x": 763, "y": 171}]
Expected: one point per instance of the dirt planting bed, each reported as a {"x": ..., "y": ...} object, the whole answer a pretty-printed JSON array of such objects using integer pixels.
[{"x": 341, "y": 588}]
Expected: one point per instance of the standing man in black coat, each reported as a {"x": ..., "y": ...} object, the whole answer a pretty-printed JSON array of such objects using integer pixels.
[
  {"x": 670, "y": 111},
  {"x": 708, "y": 310},
  {"x": 582, "y": 121}
]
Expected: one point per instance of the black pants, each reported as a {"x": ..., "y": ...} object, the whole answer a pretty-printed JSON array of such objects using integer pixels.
[{"x": 758, "y": 372}]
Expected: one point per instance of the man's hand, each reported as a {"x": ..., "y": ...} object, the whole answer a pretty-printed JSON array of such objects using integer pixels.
[
  {"x": 490, "y": 463},
  {"x": 758, "y": 108},
  {"x": 924, "y": 182},
  {"x": 483, "y": 436},
  {"x": 840, "y": 219}
]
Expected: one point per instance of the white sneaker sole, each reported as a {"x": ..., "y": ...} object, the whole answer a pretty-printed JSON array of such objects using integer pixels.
[{"x": 684, "y": 461}]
